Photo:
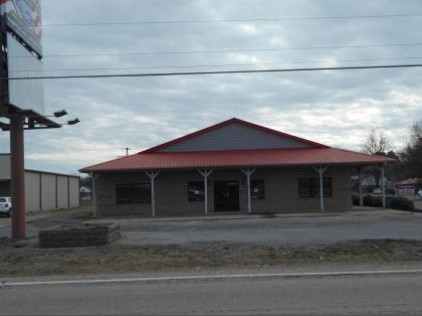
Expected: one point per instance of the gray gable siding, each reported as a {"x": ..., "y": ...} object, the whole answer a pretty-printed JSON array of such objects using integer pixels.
[{"x": 234, "y": 137}]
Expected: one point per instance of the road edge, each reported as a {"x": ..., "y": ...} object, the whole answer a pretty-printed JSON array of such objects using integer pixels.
[{"x": 215, "y": 277}]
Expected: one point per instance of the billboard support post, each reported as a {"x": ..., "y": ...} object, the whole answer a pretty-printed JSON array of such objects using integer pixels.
[
  {"x": 17, "y": 166},
  {"x": 21, "y": 102}
]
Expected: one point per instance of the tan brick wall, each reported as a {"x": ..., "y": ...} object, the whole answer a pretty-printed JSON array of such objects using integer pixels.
[{"x": 281, "y": 191}]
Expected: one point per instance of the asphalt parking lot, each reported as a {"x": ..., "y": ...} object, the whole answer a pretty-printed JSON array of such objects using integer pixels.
[
  {"x": 300, "y": 229},
  {"x": 287, "y": 230}
]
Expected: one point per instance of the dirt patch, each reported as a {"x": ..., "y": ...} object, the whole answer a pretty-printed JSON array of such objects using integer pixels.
[{"x": 32, "y": 261}]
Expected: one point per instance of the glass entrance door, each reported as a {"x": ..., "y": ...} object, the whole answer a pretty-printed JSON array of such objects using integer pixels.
[{"x": 226, "y": 196}]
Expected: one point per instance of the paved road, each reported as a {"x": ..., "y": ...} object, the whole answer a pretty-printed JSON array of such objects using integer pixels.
[
  {"x": 296, "y": 230},
  {"x": 394, "y": 294}
]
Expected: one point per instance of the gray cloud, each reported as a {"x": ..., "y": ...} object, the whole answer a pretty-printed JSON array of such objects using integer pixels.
[{"x": 337, "y": 108}]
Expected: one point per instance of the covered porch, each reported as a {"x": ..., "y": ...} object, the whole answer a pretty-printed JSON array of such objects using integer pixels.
[{"x": 206, "y": 191}]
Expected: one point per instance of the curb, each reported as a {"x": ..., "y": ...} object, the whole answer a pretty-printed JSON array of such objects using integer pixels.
[
  {"x": 357, "y": 212},
  {"x": 214, "y": 277}
]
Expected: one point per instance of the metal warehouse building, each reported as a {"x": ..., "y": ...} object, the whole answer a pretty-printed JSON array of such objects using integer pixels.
[
  {"x": 233, "y": 166},
  {"x": 43, "y": 190}
]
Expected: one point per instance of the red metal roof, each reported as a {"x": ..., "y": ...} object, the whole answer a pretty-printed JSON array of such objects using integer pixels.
[
  {"x": 317, "y": 154},
  {"x": 291, "y": 157},
  {"x": 411, "y": 181}
]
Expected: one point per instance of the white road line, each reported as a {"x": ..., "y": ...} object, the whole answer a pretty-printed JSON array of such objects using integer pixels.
[{"x": 212, "y": 277}]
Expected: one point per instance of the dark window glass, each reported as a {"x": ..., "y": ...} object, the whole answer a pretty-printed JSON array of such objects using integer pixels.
[
  {"x": 309, "y": 187},
  {"x": 305, "y": 187},
  {"x": 257, "y": 190},
  {"x": 196, "y": 191},
  {"x": 133, "y": 193}
]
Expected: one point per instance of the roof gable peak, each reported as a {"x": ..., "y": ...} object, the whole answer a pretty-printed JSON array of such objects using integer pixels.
[{"x": 234, "y": 134}]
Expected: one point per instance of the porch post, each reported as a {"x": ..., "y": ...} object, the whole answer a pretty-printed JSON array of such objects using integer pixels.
[
  {"x": 384, "y": 201},
  {"x": 249, "y": 172},
  {"x": 205, "y": 173},
  {"x": 152, "y": 175},
  {"x": 360, "y": 186},
  {"x": 94, "y": 194},
  {"x": 320, "y": 171}
]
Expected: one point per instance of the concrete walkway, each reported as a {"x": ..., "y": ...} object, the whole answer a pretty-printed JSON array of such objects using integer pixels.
[{"x": 239, "y": 216}]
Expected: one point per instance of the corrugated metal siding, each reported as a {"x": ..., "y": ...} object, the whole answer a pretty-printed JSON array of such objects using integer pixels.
[
  {"x": 234, "y": 137},
  {"x": 32, "y": 191},
  {"x": 4, "y": 167},
  {"x": 62, "y": 192},
  {"x": 74, "y": 192},
  {"x": 35, "y": 181},
  {"x": 48, "y": 194}
]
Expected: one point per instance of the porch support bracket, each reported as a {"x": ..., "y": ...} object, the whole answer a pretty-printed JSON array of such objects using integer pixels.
[
  {"x": 320, "y": 171},
  {"x": 94, "y": 178},
  {"x": 249, "y": 172},
  {"x": 152, "y": 175},
  {"x": 384, "y": 197},
  {"x": 360, "y": 186},
  {"x": 205, "y": 173}
]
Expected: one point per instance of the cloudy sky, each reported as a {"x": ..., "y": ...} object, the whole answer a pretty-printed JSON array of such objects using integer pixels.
[{"x": 338, "y": 108}]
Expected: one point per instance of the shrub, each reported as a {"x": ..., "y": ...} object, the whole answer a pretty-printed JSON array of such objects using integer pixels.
[
  {"x": 401, "y": 203},
  {"x": 355, "y": 200},
  {"x": 373, "y": 201}
]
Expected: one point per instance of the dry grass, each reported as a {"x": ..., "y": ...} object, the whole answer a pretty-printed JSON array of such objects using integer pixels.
[{"x": 32, "y": 261}]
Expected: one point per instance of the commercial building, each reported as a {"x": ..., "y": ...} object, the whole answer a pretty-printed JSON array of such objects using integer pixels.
[
  {"x": 233, "y": 166},
  {"x": 43, "y": 190}
]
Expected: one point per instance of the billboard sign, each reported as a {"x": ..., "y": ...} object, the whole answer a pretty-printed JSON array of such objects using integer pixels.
[
  {"x": 23, "y": 17},
  {"x": 24, "y": 94}
]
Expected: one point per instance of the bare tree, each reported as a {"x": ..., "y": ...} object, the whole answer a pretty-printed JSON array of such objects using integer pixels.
[
  {"x": 411, "y": 156},
  {"x": 376, "y": 144},
  {"x": 416, "y": 132}
]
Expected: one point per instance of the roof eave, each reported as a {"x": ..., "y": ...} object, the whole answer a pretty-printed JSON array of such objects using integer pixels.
[{"x": 285, "y": 165}]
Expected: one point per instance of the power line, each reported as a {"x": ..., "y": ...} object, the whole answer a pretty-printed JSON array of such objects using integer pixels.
[
  {"x": 216, "y": 65},
  {"x": 218, "y": 51},
  {"x": 341, "y": 17},
  {"x": 223, "y": 72}
]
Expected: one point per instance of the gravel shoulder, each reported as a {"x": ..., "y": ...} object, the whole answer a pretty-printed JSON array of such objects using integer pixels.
[
  {"x": 116, "y": 258},
  {"x": 239, "y": 243}
]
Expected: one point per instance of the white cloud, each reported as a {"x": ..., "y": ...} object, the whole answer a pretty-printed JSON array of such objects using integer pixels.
[{"x": 249, "y": 29}]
